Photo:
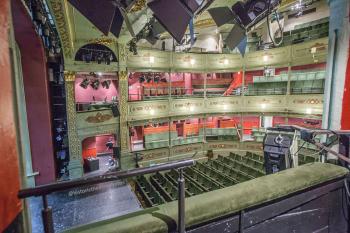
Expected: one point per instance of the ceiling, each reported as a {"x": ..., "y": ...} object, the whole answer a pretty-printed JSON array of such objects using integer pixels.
[{"x": 75, "y": 30}]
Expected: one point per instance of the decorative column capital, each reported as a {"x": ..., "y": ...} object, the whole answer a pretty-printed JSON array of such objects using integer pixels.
[
  {"x": 123, "y": 75},
  {"x": 69, "y": 76}
]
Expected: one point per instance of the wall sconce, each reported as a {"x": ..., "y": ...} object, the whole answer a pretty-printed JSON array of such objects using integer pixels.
[
  {"x": 309, "y": 111},
  {"x": 151, "y": 59},
  {"x": 151, "y": 112},
  {"x": 263, "y": 106},
  {"x": 225, "y": 61},
  {"x": 265, "y": 58},
  {"x": 192, "y": 61}
]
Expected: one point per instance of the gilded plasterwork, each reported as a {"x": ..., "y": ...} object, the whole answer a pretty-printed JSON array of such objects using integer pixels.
[
  {"x": 98, "y": 118},
  {"x": 123, "y": 90},
  {"x": 139, "y": 5},
  {"x": 74, "y": 142},
  {"x": 58, "y": 9}
]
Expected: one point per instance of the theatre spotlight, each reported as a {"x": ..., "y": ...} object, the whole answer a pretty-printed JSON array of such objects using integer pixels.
[
  {"x": 244, "y": 15},
  {"x": 85, "y": 83},
  {"x": 108, "y": 58},
  {"x": 156, "y": 78},
  {"x": 87, "y": 57},
  {"x": 149, "y": 79},
  {"x": 95, "y": 84},
  {"x": 175, "y": 15},
  {"x": 99, "y": 58},
  {"x": 133, "y": 46},
  {"x": 106, "y": 84},
  {"x": 142, "y": 79}
]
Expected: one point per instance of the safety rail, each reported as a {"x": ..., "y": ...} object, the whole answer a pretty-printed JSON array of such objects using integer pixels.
[{"x": 45, "y": 190}]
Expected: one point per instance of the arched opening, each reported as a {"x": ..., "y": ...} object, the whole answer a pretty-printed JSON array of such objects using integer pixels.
[
  {"x": 98, "y": 53},
  {"x": 97, "y": 152}
]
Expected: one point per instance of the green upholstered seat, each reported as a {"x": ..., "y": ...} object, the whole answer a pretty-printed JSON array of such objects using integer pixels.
[{"x": 226, "y": 201}]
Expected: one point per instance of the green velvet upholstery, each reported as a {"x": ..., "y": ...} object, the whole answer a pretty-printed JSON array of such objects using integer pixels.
[{"x": 207, "y": 206}]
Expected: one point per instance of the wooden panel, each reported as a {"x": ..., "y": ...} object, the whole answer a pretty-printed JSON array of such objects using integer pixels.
[
  {"x": 217, "y": 62},
  {"x": 264, "y": 104},
  {"x": 148, "y": 109},
  {"x": 182, "y": 61},
  {"x": 187, "y": 106},
  {"x": 301, "y": 53},
  {"x": 305, "y": 104},
  {"x": 142, "y": 61},
  {"x": 269, "y": 57},
  {"x": 224, "y": 104}
]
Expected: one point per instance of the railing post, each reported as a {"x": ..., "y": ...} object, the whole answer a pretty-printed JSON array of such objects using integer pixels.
[
  {"x": 181, "y": 202},
  {"x": 47, "y": 216}
]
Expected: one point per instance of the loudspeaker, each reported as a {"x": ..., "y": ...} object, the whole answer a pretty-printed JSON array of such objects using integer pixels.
[
  {"x": 116, "y": 151},
  {"x": 173, "y": 15},
  {"x": 116, "y": 156},
  {"x": 115, "y": 110},
  {"x": 344, "y": 146},
  {"x": 276, "y": 152}
]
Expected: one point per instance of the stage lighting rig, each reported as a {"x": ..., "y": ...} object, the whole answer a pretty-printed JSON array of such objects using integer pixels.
[
  {"x": 244, "y": 15},
  {"x": 175, "y": 15},
  {"x": 85, "y": 83}
]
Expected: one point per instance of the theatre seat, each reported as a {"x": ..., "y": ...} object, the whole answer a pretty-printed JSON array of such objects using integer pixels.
[{"x": 315, "y": 183}]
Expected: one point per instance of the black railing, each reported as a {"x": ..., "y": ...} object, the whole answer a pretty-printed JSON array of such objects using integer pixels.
[
  {"x": 306, "y": 90},
  {"x": 45, "y": 190},
  {"x": 270, "y": 91}
]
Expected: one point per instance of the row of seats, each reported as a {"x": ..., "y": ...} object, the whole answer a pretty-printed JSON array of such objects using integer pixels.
[
  {"x": 203, "y": 177},
  {"x": 224, "y": 171},
  {"x": 299, "y": 76}
]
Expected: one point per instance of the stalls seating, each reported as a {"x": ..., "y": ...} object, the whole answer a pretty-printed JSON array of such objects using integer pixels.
[{"x": 309, "y": 196}]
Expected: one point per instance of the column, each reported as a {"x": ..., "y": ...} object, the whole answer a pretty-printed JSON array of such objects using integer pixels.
[
  {"x": 123, "y": 106},
  {"x": 338, "y": 49},
  {"x": 75, "y": 166},
  {"x": 289, "y": 78}
]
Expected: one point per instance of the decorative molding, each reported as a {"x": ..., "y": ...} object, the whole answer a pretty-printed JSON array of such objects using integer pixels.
[
  {"x": 139, "y": 5},
  {"x": 103, "y": 41},
  {"x": 97, "y": 130},
  {"x": 159, "y": 109},
  {"x": 58, "y": 10},
  {"x": 74, "y": 142},
  {"x": 123, "y": 106},
  {"x": 69, "y": 76},
  {"x": 204, "y": 23},
  {"x": 98, "y": 118}
]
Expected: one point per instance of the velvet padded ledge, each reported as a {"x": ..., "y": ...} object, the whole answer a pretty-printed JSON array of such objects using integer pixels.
[{"x": 205, "y": 207}]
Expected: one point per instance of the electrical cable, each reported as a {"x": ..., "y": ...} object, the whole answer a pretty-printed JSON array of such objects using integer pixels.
[
  {"x": 300, "y": 147},
  {"x": 268, "y": 26}
]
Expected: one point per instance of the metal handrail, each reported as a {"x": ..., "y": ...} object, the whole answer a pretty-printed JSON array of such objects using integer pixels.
[
  {"x": 44, "y": 190},
  {"x": 308, "y": 135}
]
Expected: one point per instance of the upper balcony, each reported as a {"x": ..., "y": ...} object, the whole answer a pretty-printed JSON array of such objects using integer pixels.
[{"x": 96, "y": 101}]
